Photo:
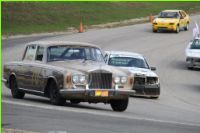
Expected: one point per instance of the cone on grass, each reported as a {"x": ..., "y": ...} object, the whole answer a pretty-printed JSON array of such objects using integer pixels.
[{"x": 81, "y": 27}]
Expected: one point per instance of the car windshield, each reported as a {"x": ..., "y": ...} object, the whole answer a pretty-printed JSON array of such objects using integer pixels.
[
  {"x": 128, "y": 62},
  {"x": 168, "y": 15},
  {"x": 60, "y": 53},
  {"x": 195, "y": 44}
]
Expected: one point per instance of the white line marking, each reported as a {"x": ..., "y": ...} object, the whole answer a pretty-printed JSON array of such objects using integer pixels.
[{"x": 86, "y": 111}]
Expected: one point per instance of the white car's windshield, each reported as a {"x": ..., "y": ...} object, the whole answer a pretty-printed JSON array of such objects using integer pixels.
[
  {"x": 128, "y": 62},
  {"x": 195, "y": 44},
  {"x": 168, "y": 15},
  {"x": 59, "y": 53}
]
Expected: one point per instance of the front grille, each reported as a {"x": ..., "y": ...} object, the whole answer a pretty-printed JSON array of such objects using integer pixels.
[
  {"x": 139, "y": 80},
  {"x": 151, "y": 80},
  {"x": 100, "y": 80},
  {"x": 196, "y": 60}
]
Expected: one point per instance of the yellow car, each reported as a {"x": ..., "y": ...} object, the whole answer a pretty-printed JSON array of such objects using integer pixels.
[{"x": 172, "y": 20}]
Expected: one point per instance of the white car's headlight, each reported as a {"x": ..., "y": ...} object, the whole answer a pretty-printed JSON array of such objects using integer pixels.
[
  {"x": 123, "y": 80},
  {"x": 117, "y": 80}
]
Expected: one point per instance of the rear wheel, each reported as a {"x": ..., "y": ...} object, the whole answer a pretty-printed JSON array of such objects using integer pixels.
[
  {"x": 119, "y": 105},
  {"x": 55, "y": 97},
  {"x": 16, "y": 93},
  {"x": 186, "y": 27}
]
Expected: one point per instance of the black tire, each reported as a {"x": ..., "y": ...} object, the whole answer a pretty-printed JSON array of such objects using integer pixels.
[
  {"x": 119, "y": 105},
  {"x": 177, "y": 29},
  {"x": 154, "y": 31},
  {"x": 154, "y": 97},
  {"x": 16, "y": 93},
  {"x": 75, "y": 101},
  {"x": 186, "y": 27},
  {"x": 190, "y": 68},
  {"x": 55, "y": 97}
]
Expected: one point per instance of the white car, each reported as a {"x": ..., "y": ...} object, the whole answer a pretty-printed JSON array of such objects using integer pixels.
[
  {"x": 193, "y": 53},
  {"x": 146, "y": 82}
]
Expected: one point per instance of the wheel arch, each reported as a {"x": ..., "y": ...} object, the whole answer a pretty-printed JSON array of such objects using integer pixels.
[
  {"x": 49, "y": 80},
  {"x": 12, "y": 75}
]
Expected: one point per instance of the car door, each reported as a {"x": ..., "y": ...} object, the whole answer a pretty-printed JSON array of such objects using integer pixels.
[
  {"x": 39, "y": 70},
  {"x": 181, "y": 20},
  {"x": 24, "y": 69}
]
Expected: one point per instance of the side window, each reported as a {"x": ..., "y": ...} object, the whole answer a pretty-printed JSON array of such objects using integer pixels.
[
  {"x": 40, "y": 53},
  {"x": 183, "y": 14},
  {"x": 30, "y": 52}
]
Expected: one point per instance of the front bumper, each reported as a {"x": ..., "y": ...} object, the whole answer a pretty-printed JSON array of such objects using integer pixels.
[
  {"x": 193, "y": 62},
  {"x": 89, "y": 94},
  {"x": 164, "y": 27},
  {"x": 147, "y": 90}
]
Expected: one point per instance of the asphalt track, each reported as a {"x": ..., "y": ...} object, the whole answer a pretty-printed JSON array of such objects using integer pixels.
[{"x": 176, "y": 111}]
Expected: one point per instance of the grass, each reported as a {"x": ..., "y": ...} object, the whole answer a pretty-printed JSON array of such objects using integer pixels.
[{"x": 37, "y": 17}]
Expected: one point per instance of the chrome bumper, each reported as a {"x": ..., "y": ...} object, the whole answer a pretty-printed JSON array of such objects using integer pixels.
[{"x": 90, "y": 93}]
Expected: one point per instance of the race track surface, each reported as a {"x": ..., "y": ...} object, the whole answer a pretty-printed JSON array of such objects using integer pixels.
[{"x": 176, "y": 111}]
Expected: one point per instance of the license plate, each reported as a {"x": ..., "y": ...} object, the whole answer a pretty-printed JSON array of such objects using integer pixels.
[{"x": 101, "y": 93}]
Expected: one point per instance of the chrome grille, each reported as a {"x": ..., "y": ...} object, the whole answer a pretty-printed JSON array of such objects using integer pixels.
[{"x": 100, "y": 80}]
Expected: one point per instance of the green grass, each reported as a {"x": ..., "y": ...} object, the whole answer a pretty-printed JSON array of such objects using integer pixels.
[{"x": 37, "y": 17}]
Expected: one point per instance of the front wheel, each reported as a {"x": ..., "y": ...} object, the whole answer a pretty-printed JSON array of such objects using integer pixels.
[
  {"x": 154, "y": 31},
  {"x": 177, "y": 29},
  {"x": 16, "y": 93},
  {"x": 55, "y": 97},
  {"x": 119, "y": 105}
]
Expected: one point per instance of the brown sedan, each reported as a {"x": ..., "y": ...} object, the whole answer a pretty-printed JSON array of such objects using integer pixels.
[{"x": 68, "y": 71}]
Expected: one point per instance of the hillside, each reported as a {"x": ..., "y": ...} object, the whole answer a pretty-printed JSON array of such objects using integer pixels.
[{"x": 36, "y": 17}]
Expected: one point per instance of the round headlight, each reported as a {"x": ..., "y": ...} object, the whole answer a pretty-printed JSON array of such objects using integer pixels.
[
  {"x": 82, "y": 79},
  {"x": 75, "y": 79},
  {"x": 123, "y": 80},
  {"x": 117, "y": 80}
]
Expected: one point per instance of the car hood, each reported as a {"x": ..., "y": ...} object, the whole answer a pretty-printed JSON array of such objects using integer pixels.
[
  {"x": 166, "y": 20},
  {"x": 192, "y": 52},
  {"x": 80, "y": 66},
  {"x": 140, "y": 71}
]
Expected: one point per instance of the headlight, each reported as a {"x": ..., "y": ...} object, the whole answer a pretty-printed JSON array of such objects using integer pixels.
[
  {"x": 120, "y": 80},
  {"x": 123, "y": 80},
  {"x": 75, "y": 79},
  {"x": 82, "y": 79},
  {"x": 79, "y": 79},
  {"x": 117, "y": 80}
]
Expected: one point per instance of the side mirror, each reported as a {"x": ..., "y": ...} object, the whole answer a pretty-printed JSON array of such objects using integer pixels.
[
  {"x": 153, "y": 68},
  {"x": 181, "y": 17}
]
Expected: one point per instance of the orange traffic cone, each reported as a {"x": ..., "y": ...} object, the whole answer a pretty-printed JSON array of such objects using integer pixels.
[
  {"x": 81, "y": 27},
  {"x": 150, "y": 18}
]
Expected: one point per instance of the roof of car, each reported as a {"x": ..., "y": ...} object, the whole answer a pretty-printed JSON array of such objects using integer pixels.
[
  {"x": 171, "y": 10},
  {"x": 54, "y": 43},
  {"x": 125, "y": 53}
]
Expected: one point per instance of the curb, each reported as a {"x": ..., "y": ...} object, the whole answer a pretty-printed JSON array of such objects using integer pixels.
[{"x": 72, "y": 30}]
